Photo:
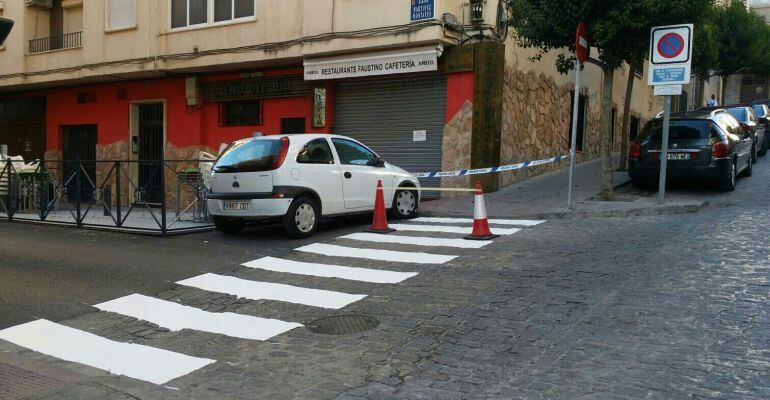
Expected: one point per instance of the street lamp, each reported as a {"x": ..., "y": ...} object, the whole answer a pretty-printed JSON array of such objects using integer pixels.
[{"x": 5, "y": 28}]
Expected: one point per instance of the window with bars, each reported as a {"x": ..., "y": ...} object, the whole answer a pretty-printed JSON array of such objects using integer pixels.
[
  {"x": 240, "y": 113},
  {"x": 186, "y": 13}
]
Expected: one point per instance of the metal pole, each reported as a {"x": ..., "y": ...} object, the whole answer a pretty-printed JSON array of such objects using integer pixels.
[
  {"x": 664, "y": 150},
  {"x": 163, "y": 228},
  {"x": 118, "y": 194},
  {"x": 573, "y": 141}
]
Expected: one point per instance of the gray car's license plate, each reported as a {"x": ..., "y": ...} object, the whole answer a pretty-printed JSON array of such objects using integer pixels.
[
  {"x": 678, "y": 156},
  {"x": 237, "y": 206}
]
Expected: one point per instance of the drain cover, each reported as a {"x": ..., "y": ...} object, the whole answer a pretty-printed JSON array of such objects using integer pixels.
[{"x": 343, "y": 324}]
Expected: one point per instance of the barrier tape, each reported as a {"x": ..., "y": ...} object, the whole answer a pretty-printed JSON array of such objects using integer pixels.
[{"x": 492, "y": 170}]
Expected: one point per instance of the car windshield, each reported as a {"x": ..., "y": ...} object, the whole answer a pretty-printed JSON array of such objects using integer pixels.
[
  {"x": 740, "y": 113},
  {"x": 759, "y": 110},
  {"x": 249, "y": 156},
  {"x": 678, "y": 130}
]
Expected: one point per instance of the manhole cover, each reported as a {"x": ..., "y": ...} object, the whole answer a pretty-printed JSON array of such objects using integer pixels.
[
  {"x": 17, "y": 383},
  {"x": 343, "y": 324}
]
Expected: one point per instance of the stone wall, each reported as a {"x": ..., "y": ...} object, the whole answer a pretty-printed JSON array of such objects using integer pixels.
[
  {"x": 536, "y": 117},
  {"x": 456, "y": 149}
]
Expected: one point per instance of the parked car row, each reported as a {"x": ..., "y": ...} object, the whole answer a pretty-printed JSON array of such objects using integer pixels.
[{"x": 715, "y": 144}]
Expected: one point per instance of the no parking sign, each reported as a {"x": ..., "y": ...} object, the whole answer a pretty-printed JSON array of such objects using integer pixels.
[{"x": 670, "y": 55}]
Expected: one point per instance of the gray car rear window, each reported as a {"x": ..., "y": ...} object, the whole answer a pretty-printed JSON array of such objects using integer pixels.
[{"x": 679, "y": 129}]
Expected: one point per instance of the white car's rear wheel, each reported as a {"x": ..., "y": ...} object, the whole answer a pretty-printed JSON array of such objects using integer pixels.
[
  {"x": 404, "y": 204},
  {"x": 302, "y": 219}
]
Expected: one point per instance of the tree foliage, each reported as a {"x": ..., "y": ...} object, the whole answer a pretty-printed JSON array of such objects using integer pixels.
[
  {"x": 741, "y": 39},
  {"x": 619, "y": 30}
]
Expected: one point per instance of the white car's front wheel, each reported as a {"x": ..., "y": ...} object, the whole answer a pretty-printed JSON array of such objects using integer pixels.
[
  {"x": 302, "y": 219},
  {"x": 405, "y": 204}
]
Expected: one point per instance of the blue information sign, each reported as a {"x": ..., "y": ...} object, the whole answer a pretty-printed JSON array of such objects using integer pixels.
[
  {"x": 422, "y": 9},
  {"x": 664, "y": 75}
]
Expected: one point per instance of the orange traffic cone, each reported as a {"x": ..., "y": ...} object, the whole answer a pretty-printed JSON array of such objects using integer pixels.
[
  {"x": 480, "y": 222},
  {"x": 380, "y": 223}
]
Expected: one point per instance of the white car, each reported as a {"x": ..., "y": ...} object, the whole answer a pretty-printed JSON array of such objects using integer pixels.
[{"x": 301, "y": 178}]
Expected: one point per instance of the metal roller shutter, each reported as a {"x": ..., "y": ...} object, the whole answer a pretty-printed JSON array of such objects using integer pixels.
[{"x": 383, "y": 114}]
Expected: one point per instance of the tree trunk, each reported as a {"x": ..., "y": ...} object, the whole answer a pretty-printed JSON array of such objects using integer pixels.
[
  {"x": 626, "y": 127},
  {"x": 605, "y": 147}
]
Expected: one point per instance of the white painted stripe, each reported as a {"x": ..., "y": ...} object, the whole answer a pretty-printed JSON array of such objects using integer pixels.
[
  {"x": 416, "y": 241},
  {"x": 329, "y": 271},
  {"x": 514, "y": 222},
  {"x": 177, "y": 317},
  {"x": 271, "y": 291},
  {"x": 448, "y": 229},
  {"x": 372, "y": 254},
  {"x": 132, "y": 360}
]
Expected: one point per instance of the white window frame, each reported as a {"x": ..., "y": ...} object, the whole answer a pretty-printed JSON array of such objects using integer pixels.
[
  {"x": 108, "y": 28},
  {"x": 209, "y": 17}
]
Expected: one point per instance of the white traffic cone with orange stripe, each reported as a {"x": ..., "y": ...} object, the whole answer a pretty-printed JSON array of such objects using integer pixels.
[{"x": 480, "y": 222}]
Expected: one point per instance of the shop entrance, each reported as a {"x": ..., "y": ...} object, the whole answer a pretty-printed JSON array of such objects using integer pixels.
[
  {"x": 147, "y": 145},
  {"x": 402, "y": 119},
  {"x": 22, "y": 126},
  {"x": 79, "y": 155}
]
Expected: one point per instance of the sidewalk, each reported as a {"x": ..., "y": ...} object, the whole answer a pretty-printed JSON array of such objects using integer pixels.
[{"x": 545, "y": 197}]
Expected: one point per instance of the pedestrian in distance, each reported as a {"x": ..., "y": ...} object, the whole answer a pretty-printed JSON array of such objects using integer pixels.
[{"x": 712, "y": 102}]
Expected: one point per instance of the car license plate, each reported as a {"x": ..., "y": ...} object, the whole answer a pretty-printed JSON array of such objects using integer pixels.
[
  {"x": 678, "y": 156},
  {"x": 237, "y": 205}
]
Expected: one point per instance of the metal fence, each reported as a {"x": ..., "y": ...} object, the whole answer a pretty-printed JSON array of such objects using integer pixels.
[
  {"x": 151, "y": 197},
  {"x": 56, "y": 42}
]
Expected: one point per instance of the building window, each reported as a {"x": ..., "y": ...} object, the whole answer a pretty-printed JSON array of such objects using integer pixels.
[
  {"x": 581, "y": 122},
  {"x": 198, "y": 12},
  {"x": 240, "y": 113},
  {"x": 121, "y": 14}
]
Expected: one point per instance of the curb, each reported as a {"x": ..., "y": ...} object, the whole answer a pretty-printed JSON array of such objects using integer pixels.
[{"x": 578, "y": 214}]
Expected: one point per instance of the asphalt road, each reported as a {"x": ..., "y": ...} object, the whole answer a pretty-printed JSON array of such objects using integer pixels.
[{"x": 56, "y": 273}]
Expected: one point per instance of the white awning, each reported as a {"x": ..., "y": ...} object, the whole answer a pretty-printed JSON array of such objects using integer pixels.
[{"x": 419, "y": 59}]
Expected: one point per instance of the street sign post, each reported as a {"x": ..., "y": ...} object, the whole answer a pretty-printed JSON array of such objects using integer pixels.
[
  {"x": 670, "y": 66},
  {"x": 582, "y": 51}
]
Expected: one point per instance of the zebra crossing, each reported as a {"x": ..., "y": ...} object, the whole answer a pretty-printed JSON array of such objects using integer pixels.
[{"x": 160, "y": 366}]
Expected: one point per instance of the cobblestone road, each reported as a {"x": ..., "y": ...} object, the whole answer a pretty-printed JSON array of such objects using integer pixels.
[{"x": 669, "y": 307}]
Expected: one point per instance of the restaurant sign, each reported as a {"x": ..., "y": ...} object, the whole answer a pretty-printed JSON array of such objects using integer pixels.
[
  {"x": 410, "y": 61},
  {"x": 256, "y": 88}
]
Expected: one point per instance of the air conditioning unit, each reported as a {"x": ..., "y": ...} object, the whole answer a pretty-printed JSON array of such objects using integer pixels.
[{"x": 39, "y": 3}]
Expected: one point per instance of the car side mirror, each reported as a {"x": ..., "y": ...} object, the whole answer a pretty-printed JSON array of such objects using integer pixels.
[{"x": 378, "y": 162}]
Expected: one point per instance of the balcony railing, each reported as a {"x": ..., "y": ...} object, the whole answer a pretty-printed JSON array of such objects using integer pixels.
[{"x": 57, "y": 42}]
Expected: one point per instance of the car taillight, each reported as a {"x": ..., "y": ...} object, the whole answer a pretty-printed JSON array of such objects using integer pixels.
[
  {"x": 635, "y": 151},
  {"x": 720, "y": 149},
  {"x": 746, "y": 127},
  {"x": 281, "y": 156}
]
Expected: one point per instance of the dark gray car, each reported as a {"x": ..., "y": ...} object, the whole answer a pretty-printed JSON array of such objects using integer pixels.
[
  {"x": 703, "y": 145},
  {"x": 749, "y": 122}
]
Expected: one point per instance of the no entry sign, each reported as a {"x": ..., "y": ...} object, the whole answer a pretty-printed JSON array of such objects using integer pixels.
[
  {"x": 670, "y": 55},
  {"x": 582, "y": 50}
]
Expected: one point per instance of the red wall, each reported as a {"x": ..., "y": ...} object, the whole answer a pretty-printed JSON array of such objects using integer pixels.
[
  {"x": 459, "y": 89},
  {"x": 198, "y": 125},
  {"x": 186, "y": 126}
]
